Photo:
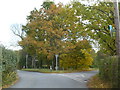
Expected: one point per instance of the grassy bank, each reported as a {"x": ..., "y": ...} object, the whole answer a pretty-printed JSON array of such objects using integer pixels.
[
  {"x": 54, "y": 71},
  {"x": 96, "y": 82},
  {"x": 11, "y": 83},
  {"x": 9, "y": 78}
]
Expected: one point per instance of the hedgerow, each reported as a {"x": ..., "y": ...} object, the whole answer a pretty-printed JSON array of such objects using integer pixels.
[
  {"x": 9, "y": 64},
  {"x": 108, "y": 70}
]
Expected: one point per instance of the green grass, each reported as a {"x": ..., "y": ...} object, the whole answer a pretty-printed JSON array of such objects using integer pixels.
[
  {"x": 54, "y": 71},
  {"x": 47, "y": 70}
]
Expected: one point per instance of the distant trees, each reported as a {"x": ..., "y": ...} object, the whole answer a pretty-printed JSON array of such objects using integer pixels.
[
  {"x": 77, "y": 58},
  {"x": 53, "y": 29},
  {"x": 57, "y": 29}
]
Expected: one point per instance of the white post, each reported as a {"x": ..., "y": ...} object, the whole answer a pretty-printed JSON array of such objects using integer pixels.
[{"x": 56, "y": 62}]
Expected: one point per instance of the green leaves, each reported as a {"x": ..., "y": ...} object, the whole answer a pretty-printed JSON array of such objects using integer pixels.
[
  {"x": 46, "y": 4},
  {"x": 57, "y": 29},
  {"x": 100, "y": 16},
  {"x": 8, "y": 61}
]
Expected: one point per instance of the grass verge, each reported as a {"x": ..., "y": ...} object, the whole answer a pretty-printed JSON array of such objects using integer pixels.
[
  {"x": 7, "y": 86},
  {"x": 54, "y": 71},
  {"x": 96, "y": 82}
]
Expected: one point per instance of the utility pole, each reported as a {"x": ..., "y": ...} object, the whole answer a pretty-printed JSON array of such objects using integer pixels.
[{"x": 117, "y": 25}]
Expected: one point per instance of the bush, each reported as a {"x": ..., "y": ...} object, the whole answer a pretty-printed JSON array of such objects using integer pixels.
[
  {"x": 108, "y": 70},
  {"x": 0, "y": 67},
  {"x": 9, "y": 64}
]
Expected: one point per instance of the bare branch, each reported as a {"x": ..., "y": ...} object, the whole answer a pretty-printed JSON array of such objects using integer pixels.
[{"x": 17, "y": 30}]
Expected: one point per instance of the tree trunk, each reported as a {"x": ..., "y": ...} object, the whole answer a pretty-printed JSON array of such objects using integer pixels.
[
  {"x": 40, "y": 64},
  {"x": 53, "y": 63},
  {"x": 33, "y": 62}
]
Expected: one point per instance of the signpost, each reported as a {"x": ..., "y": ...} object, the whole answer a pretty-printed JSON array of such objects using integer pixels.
[
  {"x": 111, "y": 29},
  {"x": 56, "y": 62}
]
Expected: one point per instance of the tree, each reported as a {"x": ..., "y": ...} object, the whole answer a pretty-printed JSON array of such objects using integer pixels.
[
  {"x": 17, "y": 30},
  {"x": 78, "y": 58},
  {"x": 97, "y": 27},
  {"x": 53, "y": 31},
  {"x": 43, "y": 35},
  {"x": 47, "y": 4}
]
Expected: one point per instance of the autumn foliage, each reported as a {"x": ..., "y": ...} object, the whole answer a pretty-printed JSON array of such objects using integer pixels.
[
  {"x": 77, "y": 58},
  {"x": 57, "y": 30}
]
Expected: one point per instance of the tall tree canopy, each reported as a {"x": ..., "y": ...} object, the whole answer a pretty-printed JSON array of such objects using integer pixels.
[
  {"x": 54, "y": 30},
  {"x": 57, "y": 29}
]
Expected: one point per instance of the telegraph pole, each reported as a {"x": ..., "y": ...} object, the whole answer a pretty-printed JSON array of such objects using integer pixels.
[{"x": 117, "y": 25}]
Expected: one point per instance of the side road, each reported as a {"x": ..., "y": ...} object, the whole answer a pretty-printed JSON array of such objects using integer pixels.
[{"x": 45, "y": 80}]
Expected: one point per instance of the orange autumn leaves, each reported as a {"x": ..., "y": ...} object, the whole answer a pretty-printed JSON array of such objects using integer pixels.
[{"x": 53, "y": 31}]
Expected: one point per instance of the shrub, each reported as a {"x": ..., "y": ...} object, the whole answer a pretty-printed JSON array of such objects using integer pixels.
[
  {"x": 0, "y": 67},
  {"x": 9, "y": 64},
  {"x": 108, "y": 70}
]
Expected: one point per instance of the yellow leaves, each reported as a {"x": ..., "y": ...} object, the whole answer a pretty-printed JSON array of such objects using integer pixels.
[
  {"x": 49, "y": 23},
  {"x": 40, "y": 43},
  {"x": 47, "y": 30},
  {"x": 39, "y": 51},
  {"x": 79, "y": 60},
  {"x": 53, "y": 10},
  {"x": 88, "y": 59},
  {"x": 50, "y": 55}
]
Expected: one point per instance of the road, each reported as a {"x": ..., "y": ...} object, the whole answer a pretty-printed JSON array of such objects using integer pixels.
[{"x": 44, "y": 80}]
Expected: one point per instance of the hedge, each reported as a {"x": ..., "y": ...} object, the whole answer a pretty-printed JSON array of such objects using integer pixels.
[
  {"x": 108, "y": 70},
  {"x": 9, "y": 63},
  {"x": 0, "y": 67}
]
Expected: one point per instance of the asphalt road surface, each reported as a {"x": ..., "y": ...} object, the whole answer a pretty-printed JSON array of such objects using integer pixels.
[{"x": 44, "y": 80}]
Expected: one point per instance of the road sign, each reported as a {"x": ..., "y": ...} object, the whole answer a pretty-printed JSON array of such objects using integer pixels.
[{"x": 110, "y": 27}]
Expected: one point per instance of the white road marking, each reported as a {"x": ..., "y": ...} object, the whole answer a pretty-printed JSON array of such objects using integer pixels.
[{"x": 78, "y": 77}]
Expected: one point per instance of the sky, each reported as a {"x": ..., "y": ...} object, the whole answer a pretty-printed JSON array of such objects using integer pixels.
[{"x": 15, "y": 12}]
